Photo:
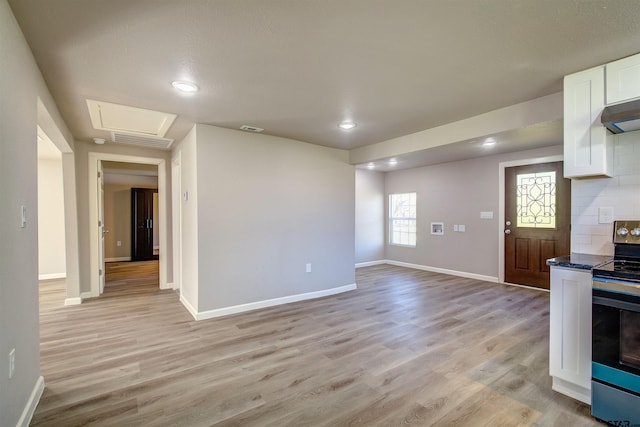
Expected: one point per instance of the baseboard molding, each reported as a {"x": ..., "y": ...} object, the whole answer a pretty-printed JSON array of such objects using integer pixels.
[
  {"x": 210, "y": 314},
  {"x": 30, "y": 408},
  {"x": 118, "y": 259},
  {"x": 371, "y": 263},
  {"x": 191, "y": 309},
  {"x": 444, "y": 271},
  {"x": 52, "y": 276},
  {"x": 85, "y": 295},
  {"x": 73, "y": 301}
]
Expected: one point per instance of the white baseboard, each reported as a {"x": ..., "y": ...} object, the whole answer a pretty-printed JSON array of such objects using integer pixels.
[
  {"x": 85, "y": 295},
  {"x": 210, "y": 314},
  {"x": 73, "y": 301},
  {"x": 442, "y": 271},
  {"x": 118, "y": 259},
  {"x": 191, "y": 309},
  {"x": 370, "y": 263},
  {"x": 30, "y": 408},
  {"x": 52, "y": 276}
]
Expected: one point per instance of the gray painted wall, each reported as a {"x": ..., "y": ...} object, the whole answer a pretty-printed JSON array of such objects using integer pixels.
[
  {"x": 21, "y": 85},
  {"x": 186, "y": 152},
  {"x": 370, "y": 216},
  {"x": 51, "y": 230},
  {"x": 266, "y": 207},
  {"x": 456, "y": 193}
]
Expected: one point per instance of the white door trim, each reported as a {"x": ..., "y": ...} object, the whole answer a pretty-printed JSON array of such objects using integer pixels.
[
  {"x": 176, "y": 215},
  {"x": 501, "y": 172},
  {"x": 94, "y": 158}
]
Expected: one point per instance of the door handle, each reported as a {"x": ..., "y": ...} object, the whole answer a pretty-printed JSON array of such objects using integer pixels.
[{"x": 507, "y": 231}]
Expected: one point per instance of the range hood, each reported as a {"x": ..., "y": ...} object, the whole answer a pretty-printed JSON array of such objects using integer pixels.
[{"x": 622, "y": 117}]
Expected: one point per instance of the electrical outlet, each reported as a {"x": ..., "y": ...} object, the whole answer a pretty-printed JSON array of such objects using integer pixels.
[
  {"x": 12, "y": 362},
  {"x": 605, "y": 215},
  {"x": 119, "y": 243},
  {"x": 308, "y": 267}
]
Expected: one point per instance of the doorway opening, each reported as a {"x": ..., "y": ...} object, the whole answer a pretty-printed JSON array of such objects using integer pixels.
[
  {"x": 110, "y": 211},
  {"x": 131, "y": 227}
]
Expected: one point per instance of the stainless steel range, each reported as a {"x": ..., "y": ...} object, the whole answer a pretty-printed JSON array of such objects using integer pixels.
[{"x": 615, "y": 369}]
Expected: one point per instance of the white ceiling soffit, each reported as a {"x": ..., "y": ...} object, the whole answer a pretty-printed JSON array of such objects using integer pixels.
[{"x": 129, "y": 120}]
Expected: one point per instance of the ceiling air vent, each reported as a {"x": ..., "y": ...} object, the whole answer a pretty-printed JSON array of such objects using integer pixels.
[
  {"x": 251, "y": 128},
  {"x": 145, "y": 141}
]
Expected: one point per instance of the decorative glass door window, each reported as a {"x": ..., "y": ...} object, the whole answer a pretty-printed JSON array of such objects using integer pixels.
[{"x": 536, "y": 200}]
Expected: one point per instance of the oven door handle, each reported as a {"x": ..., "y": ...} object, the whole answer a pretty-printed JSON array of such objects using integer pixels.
[{"x": 609, "y": 302}]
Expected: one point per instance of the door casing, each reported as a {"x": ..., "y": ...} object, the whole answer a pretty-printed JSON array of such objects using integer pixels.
[{"x": 94, "y": 158}]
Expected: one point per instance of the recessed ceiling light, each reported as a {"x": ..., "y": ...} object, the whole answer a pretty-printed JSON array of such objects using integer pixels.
[
  {"x": 186, "y": 87},
  {"x": 251, "y": 128},
  {"x": 393, "y": 162},
  {"x": 489, "y": 142},
  {"x": 98, "y": 141},
  {"x": 348, "y": 125},
  {"x": 371, "y": 166}
]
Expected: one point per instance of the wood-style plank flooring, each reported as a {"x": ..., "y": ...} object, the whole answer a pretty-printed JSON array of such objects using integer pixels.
[{"x": 407, "y": 347}]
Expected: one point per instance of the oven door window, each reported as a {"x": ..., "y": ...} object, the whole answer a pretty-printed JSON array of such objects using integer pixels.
[
  {"x": 616, "y": 331},
  {"x": 630, "y": 339}
]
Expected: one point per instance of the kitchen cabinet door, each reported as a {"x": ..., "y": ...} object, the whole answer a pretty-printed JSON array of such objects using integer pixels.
[
  {"x": 588, "y": 147},
  {"x": 570, "y": 332},
  {"x": 623, "y": 79}
]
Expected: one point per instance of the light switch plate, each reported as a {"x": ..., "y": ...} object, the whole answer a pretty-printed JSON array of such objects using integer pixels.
[
  {"x": 462, "y": 228},
  {"x": 605, "y": 215},
  {"x": 486, "y": 215},
  {"x": 23, "y": 214},
  {"x": 455, "y": 227}
]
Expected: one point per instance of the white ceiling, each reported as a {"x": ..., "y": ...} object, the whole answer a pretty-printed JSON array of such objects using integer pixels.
[{"x": 297, "y": 68}]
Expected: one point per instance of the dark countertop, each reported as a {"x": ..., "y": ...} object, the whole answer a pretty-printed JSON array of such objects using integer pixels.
[{"x": 579, "y": 261}]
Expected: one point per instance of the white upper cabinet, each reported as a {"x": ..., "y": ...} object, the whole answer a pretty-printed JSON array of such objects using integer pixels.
[
  {"x": 623, "y": 79},
  {"x": 588, "y": 148}
]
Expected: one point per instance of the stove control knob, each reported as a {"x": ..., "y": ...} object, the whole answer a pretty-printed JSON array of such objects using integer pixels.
[
  {"x": 635, "y": 232},
  {"x": 623, "y": 231}
]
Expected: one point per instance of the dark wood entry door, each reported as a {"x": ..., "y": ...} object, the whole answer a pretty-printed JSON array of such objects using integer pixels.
[
  {"x": 142, "y": 223},
  {"x": 537, "y": 221}
]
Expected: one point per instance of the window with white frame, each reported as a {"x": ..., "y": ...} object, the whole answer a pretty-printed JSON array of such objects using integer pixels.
[{"x": 402, "y": 219}]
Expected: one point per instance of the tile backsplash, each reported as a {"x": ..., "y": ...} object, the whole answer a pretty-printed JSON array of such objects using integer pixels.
[{"x": 622, "y": 193}]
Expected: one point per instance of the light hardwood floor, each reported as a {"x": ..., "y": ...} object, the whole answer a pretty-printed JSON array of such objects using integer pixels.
[{"x": 407, "y": 347}]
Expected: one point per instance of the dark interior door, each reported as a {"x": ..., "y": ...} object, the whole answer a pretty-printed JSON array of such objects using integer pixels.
[
  {"x": 538, "y": 221},
  {"x": 142, "y": 223}
]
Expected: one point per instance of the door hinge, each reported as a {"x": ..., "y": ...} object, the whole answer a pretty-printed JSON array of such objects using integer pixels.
[
  {"x": 100, "y": 272},
  {"x": 99, "y": 174},
  {"x": 99, "y": 223}
]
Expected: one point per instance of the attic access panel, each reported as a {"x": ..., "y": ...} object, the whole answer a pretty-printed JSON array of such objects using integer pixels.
[{"x": 130, "y": 120}]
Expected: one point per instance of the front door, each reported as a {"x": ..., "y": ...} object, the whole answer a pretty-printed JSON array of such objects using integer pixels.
[{"x": 537, "y": 221}]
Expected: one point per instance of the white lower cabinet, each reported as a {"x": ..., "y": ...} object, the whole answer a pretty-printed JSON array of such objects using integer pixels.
[{"x": 570, "y": 332}]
